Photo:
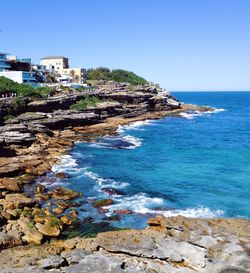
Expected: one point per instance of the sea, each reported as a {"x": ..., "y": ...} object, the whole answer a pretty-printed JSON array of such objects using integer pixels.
[{"x": 195, "y": 165}]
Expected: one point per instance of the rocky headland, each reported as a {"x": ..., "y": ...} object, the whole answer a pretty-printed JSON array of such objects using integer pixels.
[{"x": 32, "y": 217}]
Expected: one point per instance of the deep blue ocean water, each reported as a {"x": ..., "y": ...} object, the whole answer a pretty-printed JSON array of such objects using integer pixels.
[{"x": 195, "y": 165}]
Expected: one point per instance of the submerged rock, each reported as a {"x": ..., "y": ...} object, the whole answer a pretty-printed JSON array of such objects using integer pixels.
[
  {"x": 102, "y": 203},
  {"x": 112, "y": 191},
  {"x": 61, "y": 175},
  {"x": 123, "y": 211}
]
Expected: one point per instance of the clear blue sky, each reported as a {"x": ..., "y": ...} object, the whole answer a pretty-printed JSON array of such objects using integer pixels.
[{"x": 181, "y": 44}]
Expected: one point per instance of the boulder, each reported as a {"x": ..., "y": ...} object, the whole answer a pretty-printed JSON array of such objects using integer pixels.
[
  {"x": 10, "y": 184},
  {"x": 7, "y": 241},
  {"x": 48, "y": 229},
  {"x": 64, "y": 194},
  {"x": 61, "y": 175},
  {"x": 40, "y": 189},
  {"x": 123, "y": 211},
  {"x": 112, "y": 191},
  {"x": 32, "y": 236},
  {"x": 102, "y": 203},
  {"x": 16, "y": 200}
]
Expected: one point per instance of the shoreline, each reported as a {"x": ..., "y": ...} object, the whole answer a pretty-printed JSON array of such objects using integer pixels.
[{"x": 57, "y": 254}]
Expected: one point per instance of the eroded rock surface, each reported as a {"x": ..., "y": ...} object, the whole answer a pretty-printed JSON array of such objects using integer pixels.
[{"x": 168, "y": 245}]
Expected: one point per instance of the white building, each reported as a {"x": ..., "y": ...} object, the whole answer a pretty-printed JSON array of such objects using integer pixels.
[{"x": 19, "y": 76}]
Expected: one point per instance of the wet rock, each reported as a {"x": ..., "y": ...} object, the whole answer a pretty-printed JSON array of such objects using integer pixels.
[
  {"x": 61, "y": 175},
  {"x": 40, "y": 189},
  {"x": 112, "y": 191},
  {"x": 88, "y": 220},
  {"x": 66, "y": 220},
  {"x": 123, "y": 211},
  {"x": 64, "y": 194},
  {"x": 42, "y": 197},
  {"x": 102, "y": 210},
  {"x": 102, "y": 203},
  {"x": 73, "y": 213},
  {"x": 112, "y": 218},
  {"x": 68, "y": 204},
  {"x": 57, "y": 210}
]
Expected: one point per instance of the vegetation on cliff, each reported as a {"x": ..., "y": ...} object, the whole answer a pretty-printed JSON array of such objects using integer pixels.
[
  {"x": 118, "y": 75},
  {"x": 23, "y": 90},
  {"x": 83, "y": 104}
]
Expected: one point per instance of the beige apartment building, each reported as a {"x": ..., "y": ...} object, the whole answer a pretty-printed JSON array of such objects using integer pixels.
[
  {"x": 55, "y": 63},
  {"x": 60, "y": 65}
]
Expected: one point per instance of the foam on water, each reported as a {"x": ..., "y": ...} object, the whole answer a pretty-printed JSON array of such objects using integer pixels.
[
  {"x": 199, "y": 212},
  {"x": 195, "y": 114},
  {"x": 67, "y": 164},
  {"x": 135, "y": 141},
  {"x": 137, "y": 125},
  {"x": 143, "y": 204},
  {"x": 139, "y": 203},
  {"x": 104, "y": 182},
  {"x": 120, "y": 142}
]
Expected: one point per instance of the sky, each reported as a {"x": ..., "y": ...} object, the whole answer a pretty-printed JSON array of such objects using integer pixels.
[{"x": 184, "y": 45}]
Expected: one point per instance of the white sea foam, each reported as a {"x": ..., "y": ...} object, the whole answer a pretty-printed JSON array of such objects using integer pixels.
[
  {"x": 138, "y": 203},
  {"x": 198, "y": 212},
  {"x": 195, "y": 114},
  {"x": 67, "y": 164},
  {"x": 137, "y": 125},
  {"x": 104, "y": 181},
  {"x": 135, "y": 141},
  {"x": 143, "y": 204}
]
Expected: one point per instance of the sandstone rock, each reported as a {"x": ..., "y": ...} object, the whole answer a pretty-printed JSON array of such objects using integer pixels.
[
  {"x": 7, "y": 241},
  {"x": 10, "y": 184},
  {"x": 68, "y": 204},
  {"x": 57, "y": 210},
  {"x": 51, "y": 262},
  {"x": 65, "y": 219},
  {"x": 16, "y": 134},
  {"x": 64, "y": 194},
  {"x": 16, "y": 200},
  {"x": 49, "y": 230},
  {"x": 73, "y": 213},
  {"x": 32, "y": 236}
]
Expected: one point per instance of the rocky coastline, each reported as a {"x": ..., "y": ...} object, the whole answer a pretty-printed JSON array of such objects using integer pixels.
[{"x": 33, "y": 141}]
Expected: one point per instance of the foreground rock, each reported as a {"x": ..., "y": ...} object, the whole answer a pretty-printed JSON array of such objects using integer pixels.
[{"x": 168, "y": 245}]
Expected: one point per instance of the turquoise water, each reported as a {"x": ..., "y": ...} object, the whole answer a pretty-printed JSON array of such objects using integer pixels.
[{"x": 196, "y": 165}]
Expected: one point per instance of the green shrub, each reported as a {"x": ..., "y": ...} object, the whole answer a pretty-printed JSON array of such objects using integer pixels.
[
  {"x": 118, "y": 75},
  {"x": 23, "y": 90},
  {"x": 7, "y": 117},
  {"x": 85, "y": 103},
  {"x": 54, "y": 222}
]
